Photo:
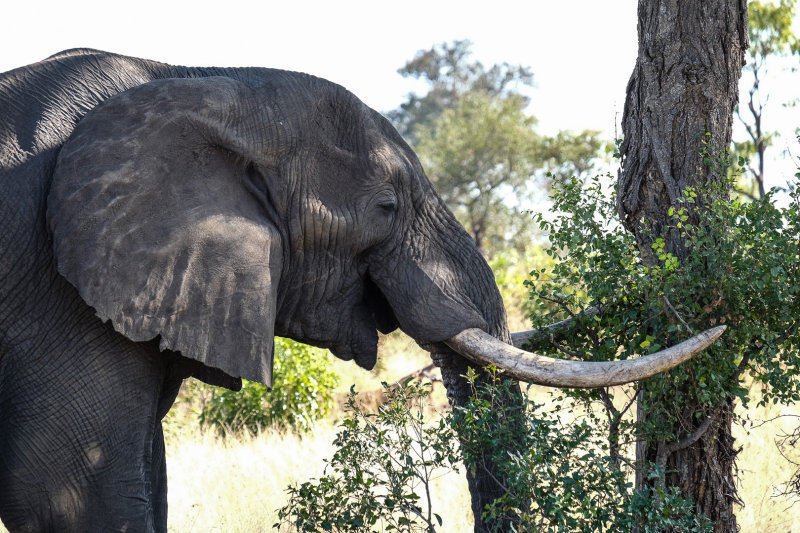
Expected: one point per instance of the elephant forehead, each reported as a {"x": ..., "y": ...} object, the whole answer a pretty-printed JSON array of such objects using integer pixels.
[{"x": 386, "y": 157}]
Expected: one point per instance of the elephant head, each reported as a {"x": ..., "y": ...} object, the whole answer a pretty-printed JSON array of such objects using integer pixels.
[{"x": 215, "y": 213}]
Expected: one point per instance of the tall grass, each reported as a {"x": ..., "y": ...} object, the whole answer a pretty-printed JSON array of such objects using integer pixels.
[{"x": 235, "y": 484}]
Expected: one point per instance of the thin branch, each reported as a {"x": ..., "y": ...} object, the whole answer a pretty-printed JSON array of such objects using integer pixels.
[
  {"x": 773, "y": 419},
  {"x": 748, "y": 194},
  {"x": 570, "y": 353},
  {"x": 677, "y": 315},
  {"x": 630, "y": 403},
  {"x": 553, "y": 331}
]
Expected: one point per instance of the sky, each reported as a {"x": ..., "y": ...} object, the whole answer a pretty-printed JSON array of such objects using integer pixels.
[{"x": 581, "y": 52}]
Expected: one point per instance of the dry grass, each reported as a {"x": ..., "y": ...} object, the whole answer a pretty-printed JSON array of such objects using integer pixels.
[
  {"x": 236, "y": 484},
  {"x": 762, "y": 469}
]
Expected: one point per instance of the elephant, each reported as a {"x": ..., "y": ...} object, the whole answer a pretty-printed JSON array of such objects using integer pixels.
[{"x": 162, "y": 222}]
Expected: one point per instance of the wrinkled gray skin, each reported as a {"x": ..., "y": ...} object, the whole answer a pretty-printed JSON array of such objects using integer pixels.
[{"x": 162, "y": 222}]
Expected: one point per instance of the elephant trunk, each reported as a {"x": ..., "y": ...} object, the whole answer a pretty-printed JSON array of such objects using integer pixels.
[{"x": 483, "y": 483}]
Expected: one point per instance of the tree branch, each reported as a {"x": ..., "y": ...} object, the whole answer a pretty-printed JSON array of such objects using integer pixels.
[
  {"x": 554, "y": 331},
  {"x": 677, "y": 315}
]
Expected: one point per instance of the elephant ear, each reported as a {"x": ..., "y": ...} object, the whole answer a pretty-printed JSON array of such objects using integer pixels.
[{"x": 162, "y": 218}]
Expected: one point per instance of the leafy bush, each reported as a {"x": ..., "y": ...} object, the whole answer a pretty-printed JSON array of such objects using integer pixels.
[
  {"x": 302, "y": 392},
  {"x": 749, "y": 252},
  {"x": 742, "y": 269},
  {"x": 557, "y": 478},
  {"x": 379, "y": 477},
  {"x": 560, "y": 477}
]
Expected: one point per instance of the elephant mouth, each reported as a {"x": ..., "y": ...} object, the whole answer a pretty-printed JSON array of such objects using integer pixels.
[
  {"x": 379, "y": 308},
  {"x": 371, "y": 313}
]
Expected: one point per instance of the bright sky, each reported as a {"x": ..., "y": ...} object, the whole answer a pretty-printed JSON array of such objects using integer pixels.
[{"x": 581, "y": 51}]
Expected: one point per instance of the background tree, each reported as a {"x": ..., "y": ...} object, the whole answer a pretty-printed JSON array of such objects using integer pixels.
[
  {"x": 771, "y": 36},
  {"x": 680, "y": 100},
  {"x": 480, "y": 153},
  {"x": 479, "y": 145},
  {"x": 450, "y": 71}
]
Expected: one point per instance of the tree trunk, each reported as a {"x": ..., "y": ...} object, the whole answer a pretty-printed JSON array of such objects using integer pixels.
[
  {"x": 680, "y": 99},
  {"x": 683, "y": 90}
]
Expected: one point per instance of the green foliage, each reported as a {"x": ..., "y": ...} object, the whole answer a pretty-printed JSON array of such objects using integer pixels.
[
  {"x": 558, "y": 476},
  {"x": 770, "y": 29},
  {"x": 450, "y": 71},
  {"x": 379, "y": 477},
  {"x": 742, "y": 269},
  {"x": 511, "y": 269},
  {"x": 478, "y": 153},
  {"x": 657, "y": 511},
  {"x": 572, "y": 154},
  {"x": 302, "y": 392},
  {"x": 771, "y": 36}
]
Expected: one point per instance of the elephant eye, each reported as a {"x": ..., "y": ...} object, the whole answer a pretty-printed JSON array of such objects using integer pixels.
[{"x": 388, "y": 203}]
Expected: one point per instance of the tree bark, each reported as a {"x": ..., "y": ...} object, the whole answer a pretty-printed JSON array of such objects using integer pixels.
[
  {"x": 682, "y": 92},
  {"x": 680, "y": 99}
]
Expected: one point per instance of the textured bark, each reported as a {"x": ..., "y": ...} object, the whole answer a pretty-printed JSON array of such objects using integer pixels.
[
  {"x": 684, "y": 85},
  {"x": 682, "y": 93}
]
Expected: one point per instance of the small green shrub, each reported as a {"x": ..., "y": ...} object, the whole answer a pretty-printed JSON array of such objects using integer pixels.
[
  {"x": 558, "y": 476},
  {"x": 302, "y": 392},
  {"x": 379, "y": 477}
]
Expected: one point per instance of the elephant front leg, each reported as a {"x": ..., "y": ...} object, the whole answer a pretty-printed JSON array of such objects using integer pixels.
[
  {"x": 483, "y": 481},
  {"x": 77, "y": 448}
]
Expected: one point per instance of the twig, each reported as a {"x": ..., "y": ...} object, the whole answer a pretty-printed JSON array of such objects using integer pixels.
[
  {"x": 570, "y": 353},
  {"x": 678, "y": 315}
]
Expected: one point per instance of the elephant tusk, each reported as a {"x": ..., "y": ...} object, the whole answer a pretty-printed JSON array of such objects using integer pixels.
[{"x": 483, "y": 349}]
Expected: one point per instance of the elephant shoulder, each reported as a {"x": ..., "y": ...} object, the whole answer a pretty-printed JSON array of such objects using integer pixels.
[{"x": 42, "y": 103}]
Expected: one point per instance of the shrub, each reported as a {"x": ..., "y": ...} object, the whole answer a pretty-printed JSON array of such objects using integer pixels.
[
  {"x": 558, "y": 476},
  {"x": 749, "y": 257},
  {"x": 302, "y": 393},
  {"x": 379, "y": 477}
]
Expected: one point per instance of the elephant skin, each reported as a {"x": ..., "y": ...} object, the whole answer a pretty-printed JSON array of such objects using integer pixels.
[{"x": 161, "y": 222}]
